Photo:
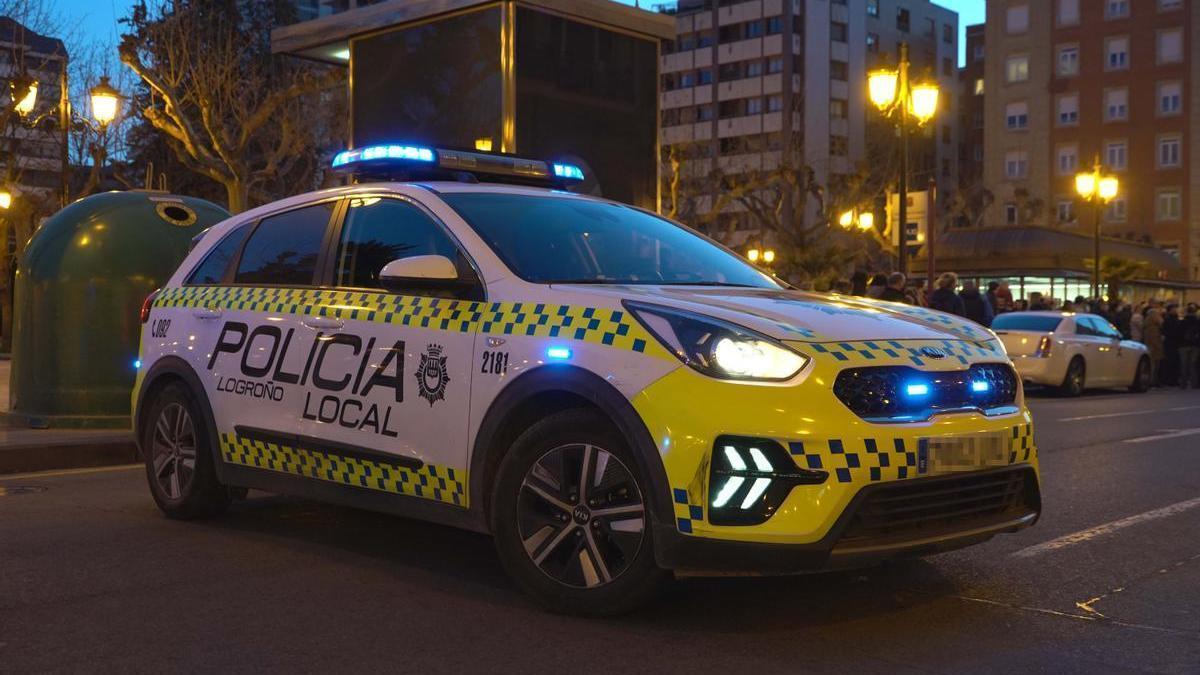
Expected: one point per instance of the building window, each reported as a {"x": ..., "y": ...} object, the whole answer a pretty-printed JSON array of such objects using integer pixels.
[
  {"x": 948, "y": 67},
  {"x": 754, "y": 29},
  {"x": 1170, "y": 98},
  {"x": 903, "y": 19},
  {"x": 838, "y": 31},
  {"x": 1010, "y": 213},
  {"x": 1067, "y": 159},
  {"x": 704, "y": 76},
  {"x": 1016, "y": 115},
  {"x": 1068, "y": 110},
  {"x": 979, "y": 86},
  {"x": 947, "y": 133},
  {"x": 1068, "y": 12},
  {"x": 727, "y": 109},
  {"x": 1169, "y": 151},
  {"x": 774, "y": 25},
  {"x": 948, "y": 33},
  {"x": 839, "y": 146},
  {"x": 977, "y": 120},
  {"x": 704, "y": 113},
  {"x": 873, "y": 43},
  {"x": 1116, "y": 155},
  {"x": 837, "y": 108},
  {"x": 775, "y": 65},
  {"x": 774, "y": 103},
  {"x": 1117, "y": 210},
  {"x": 1017, "y": 68},
  {"x": 1116, "y": 9},
  {"x": 754, "y": 68},
  {"x": 930, "y": 28},
  {"x": 1016, "y": 164},
  {"x": 1168, "y": 205},
  {"x": 705, "y": 39},
  {"x": 1066, "y": 211},
  {"x": 873, "y": 8},
  {"x": 977, "y": 53},
  {"x": 1068, "y": 60},
  {"x": 1116, "y": 53},
  {"x": 1116, "y": 105},
  {"x": 1170, "y": 45},
  {"x": 1168, "y": 5},
  {"x": 839, "y": 70},
  {"x": 1017, "y": 19},
  {"x": 754, "y": 106}
]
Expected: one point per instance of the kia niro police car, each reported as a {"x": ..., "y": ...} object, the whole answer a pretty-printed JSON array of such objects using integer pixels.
[{"x": 612, "y": 396}]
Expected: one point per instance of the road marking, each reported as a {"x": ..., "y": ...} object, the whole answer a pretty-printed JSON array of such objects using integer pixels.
[
  {"x": 1168, "y": 433},
  {"x": 70, "y": 472},
  {"x": 1127, "y": 413},
  {"x": 1107, "y": 528}
]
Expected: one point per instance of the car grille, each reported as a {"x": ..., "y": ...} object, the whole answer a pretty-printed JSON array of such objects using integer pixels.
[
  {"x": 931, "y": 507},
  {"x": 880, "y": 393}
]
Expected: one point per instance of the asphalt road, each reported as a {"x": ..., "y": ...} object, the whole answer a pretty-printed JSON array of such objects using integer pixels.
[{"x": 92, "y": 578}]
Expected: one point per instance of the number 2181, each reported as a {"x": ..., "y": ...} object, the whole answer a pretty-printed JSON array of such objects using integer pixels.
[{"x": 495, "y": 363}]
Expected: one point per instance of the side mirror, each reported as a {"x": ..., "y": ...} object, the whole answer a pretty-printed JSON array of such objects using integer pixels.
[{"x": 430, "y": 272}]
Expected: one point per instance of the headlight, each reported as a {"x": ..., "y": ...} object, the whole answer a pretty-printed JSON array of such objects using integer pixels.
[{"x": 718, "y": 348}]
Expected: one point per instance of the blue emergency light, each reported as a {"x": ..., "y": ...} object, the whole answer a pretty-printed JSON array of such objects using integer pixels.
[{"x": 418, "y": 162}]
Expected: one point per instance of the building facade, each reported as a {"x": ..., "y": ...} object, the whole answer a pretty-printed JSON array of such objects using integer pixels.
[
  {"x": 31, "y": 156},
  {"x": 1070, "y": 81},
  {"x": 746, "y": 82},
  {"x": 971, "y": 93}
]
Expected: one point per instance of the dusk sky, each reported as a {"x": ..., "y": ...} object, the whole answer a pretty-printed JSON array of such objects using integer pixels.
[{"x": 97, "y": 18}]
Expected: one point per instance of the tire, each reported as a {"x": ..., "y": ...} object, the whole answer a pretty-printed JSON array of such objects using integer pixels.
[
  {"x": 592, "y": 556},
  {"x": 1075, "y": 379},
  {"x": 1142, "y": 376},
  {"x": 179, "y": 456}
]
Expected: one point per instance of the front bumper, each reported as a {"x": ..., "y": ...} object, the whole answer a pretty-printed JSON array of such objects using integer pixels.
[{"x": 813, "y": 526}]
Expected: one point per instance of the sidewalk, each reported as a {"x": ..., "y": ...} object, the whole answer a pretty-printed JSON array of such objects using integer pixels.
[{"x": 23, "y": 449}]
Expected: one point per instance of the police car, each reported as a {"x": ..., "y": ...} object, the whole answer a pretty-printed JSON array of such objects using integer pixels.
[{"x": 612, "y": 396}]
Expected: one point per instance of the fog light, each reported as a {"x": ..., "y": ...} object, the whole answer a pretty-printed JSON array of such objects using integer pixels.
[
  {"x": 750, "y": 478},
  {"x": 980, "y": 386}
]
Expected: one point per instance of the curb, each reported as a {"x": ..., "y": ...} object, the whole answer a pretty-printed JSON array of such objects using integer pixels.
[{"x": 84, "y": 453}]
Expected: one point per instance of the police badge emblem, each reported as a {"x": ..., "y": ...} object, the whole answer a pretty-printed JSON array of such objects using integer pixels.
[{"x": 432, "y": 376}]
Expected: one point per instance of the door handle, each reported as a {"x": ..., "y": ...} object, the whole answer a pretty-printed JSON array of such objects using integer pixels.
[
  {"x": 206, "y": 313},
  {"x": 323, "y": 323}
]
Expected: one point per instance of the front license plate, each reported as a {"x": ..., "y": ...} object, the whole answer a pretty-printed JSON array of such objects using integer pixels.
[{"x": 963, "y": 453}]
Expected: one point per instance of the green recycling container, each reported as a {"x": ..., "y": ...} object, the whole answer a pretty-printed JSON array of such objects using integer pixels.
[{"x": 79, "y": 288}]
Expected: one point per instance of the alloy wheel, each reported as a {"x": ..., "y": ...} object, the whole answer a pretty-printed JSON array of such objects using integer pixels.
[
  {"x": 580, "y": 515},
  {"x": 174, "y": 451}
]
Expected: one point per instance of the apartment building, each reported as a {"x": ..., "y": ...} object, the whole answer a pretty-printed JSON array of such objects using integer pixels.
[
  {"x": 31, "y": 158},
  {"x": 747, "y": 81},
  {"x": 971, "y": 92},
  {"x": 1071, "y": 80}
]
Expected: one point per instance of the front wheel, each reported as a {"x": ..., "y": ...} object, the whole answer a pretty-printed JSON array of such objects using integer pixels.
[
  {"x": 1074, "y": 380},
  {"x": 570, "y": 517},
  {"x": 1142, "y": 377},
  {"x": 179, "y": 459}
]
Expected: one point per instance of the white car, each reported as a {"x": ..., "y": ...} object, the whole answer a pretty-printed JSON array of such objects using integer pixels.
[
  {"x": 609, "y": 394},
  {"x": 1072, "y": 351}
]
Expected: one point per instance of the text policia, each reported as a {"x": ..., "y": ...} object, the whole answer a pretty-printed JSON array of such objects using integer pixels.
[{"x": 265, "y": 364}]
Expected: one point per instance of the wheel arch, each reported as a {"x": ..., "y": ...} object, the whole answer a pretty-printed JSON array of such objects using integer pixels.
[
  {"x": 549, "y": 389},
  {"x": 165, "y": 371}
]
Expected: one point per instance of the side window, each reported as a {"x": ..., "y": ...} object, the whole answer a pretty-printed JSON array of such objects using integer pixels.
[
  {"x": 1084, "y": 326},
  {"x": 284, "y": 248},
  {"x": 212, "y": 269},
  {"x": 378, "y": 231}
]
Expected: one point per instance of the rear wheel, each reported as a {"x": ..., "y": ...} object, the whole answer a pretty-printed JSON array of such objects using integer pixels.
[
  {"x": 1142, "y": 376},
  {"x": 179, "y": 457},
  {"x": 570, "y": 519},
  {"x": 1074, "y": 380}
]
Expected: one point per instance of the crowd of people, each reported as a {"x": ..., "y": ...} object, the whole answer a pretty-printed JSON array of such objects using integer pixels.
[{"x": 1171, "y": 332}]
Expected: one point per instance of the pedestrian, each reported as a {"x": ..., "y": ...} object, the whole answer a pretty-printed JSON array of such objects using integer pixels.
[
  {"x": 1004, "y": 299},
  {"x": 1020, "y": 305},
  {"x": 975, "y": 304},
  {"x": 1135, "y": 322},
  {"x": 875, "y": 288},
  {"x": 858, "y": 283},
  {"x": 1037, "y": 302},
  {"x": 944, "y": 299},
  {"x": 1169, "y": 376},
  {"x": 1122, "y": 318},
  {"x": 894, "y": 292},
  {"x": 1189, "y": 349},
  {"x": 992, "y": 299},
  {"x": 1152, "y": 337}
]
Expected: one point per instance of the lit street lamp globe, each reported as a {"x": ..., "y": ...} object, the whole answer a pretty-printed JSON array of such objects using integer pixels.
[{"x": 105, "y": 102}]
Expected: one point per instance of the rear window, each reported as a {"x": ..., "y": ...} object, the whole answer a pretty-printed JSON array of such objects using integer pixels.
[
  {"x": 1041, "y": 323},
  {"x": 284, "y": 248},
  {"x": 212, "y": 270}
]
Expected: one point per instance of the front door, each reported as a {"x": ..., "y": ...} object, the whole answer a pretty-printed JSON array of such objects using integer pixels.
[{"x": 392, "y": 384}]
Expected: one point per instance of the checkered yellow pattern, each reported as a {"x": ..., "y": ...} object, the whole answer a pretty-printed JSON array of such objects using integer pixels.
[
  {"x": 612, "y": 327},
  {"x": 686, "y": 512},
  {"x": 438, "y": 483},
  {"x": 873, "y": 460},
  {"x": 909, "y": 352}
]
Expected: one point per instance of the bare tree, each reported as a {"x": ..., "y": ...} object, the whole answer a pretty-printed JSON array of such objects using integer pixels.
[{"x": 230, "y": 110}]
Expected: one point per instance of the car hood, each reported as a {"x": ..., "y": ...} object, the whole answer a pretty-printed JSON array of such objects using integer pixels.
[{"x": 798, "y": 315}]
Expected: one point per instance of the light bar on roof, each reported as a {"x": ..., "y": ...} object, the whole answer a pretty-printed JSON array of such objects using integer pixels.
[{"x": 405, "y": 159}]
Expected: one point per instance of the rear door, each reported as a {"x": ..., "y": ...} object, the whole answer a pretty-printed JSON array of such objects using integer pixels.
[
  {"x": 1100, "y": 350},
  {"x": 394, "y": 382}
]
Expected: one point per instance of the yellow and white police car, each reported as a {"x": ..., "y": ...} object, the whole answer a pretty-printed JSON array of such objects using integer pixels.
[{"x": 612, "y": 396}]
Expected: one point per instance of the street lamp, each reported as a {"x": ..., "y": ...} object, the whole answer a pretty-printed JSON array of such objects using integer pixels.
[
  {"x": 24, "y": 90},
  {"x": 896, "y": 96},
  {"x": 851, "y": 218},
  {"x": 1098, "y": 189},
  {"x": 5, "y": 199},
  {"x": 766, "y": 256},
  {"x": 106, "y": 102}
]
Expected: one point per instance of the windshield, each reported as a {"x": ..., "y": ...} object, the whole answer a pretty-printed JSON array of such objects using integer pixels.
[
  {"x": 1041, "y": 323},
  {"x": 565, "y": 240}
]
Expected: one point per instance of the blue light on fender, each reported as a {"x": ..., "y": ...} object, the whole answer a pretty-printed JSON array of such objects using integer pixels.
[
  {"x": 558, "y": 353},
  {"x": 568, "y": 171},
  {"x": 137, "y": 364}
]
